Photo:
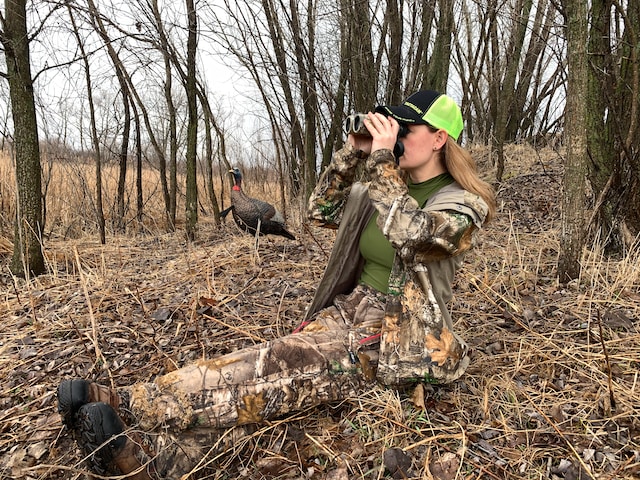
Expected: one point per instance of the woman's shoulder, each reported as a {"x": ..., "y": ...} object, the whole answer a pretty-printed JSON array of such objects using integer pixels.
[{"x": 454, "y": 197}]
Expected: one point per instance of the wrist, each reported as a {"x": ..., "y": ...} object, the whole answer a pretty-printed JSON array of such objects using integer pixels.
[{"x": 356, "y": 152}]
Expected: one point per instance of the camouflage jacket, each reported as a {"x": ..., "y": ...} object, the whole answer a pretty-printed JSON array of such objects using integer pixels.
[{"x": 417, "y": 340}]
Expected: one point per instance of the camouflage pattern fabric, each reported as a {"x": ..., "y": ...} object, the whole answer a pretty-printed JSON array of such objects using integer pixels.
[
  {"x": 394, "y": 337},
  {"x": 187, "y": 414},
  {"x": 327, "y": 202},
  {"x": 417, "y": 337}
]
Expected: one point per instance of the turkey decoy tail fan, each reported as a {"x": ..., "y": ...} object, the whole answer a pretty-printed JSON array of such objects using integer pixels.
[{"x": 225, "y": 212}]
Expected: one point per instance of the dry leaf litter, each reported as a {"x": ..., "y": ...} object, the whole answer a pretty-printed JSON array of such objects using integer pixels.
[{"x": 552, "y": 391}]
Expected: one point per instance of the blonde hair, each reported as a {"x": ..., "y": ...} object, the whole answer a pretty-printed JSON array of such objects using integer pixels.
[{"x": 464, "y": 170}]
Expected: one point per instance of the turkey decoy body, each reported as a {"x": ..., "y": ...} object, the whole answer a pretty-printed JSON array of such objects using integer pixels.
[{"x": 251, "y": 214}]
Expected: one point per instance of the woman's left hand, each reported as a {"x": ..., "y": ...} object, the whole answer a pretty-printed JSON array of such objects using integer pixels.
[{"x": 384, "y": 131}]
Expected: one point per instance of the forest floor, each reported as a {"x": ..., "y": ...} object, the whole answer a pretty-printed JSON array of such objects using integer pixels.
[{"x": 552, "y": 391}]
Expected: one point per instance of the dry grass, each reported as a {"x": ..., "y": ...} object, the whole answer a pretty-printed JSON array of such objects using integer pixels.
[
  {"x": 69, "y": 186},
  {"x": 552, "y": 391}
]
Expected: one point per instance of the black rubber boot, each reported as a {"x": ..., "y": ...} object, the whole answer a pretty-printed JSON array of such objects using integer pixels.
[
  {"x": 72, "y": 394},
  {"x": 110, "y": 451}
]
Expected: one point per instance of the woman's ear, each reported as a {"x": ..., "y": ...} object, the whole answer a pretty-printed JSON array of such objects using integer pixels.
[{"x": 441, "y": 139}]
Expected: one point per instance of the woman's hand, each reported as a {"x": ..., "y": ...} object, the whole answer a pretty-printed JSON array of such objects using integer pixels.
[{"x": 383, "y": 130}]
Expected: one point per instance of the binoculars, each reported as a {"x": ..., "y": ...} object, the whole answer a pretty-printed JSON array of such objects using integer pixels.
[{"x": 354, "y": 124}]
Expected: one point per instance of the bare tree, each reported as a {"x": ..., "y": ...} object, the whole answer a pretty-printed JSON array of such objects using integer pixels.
[
  {"x": 573, "y": 197},
  {"x": 393, "y": 16},
  {"x": 95, "y": 141},
  {"x": 421, "y": 19},
  {"x": 211, "y": 125},
  {"x": 614, "y": 122},
  {"x": 311, "y": 63},
  {"x": 509, "y": 59},
  {"x": 304, "y": 45},
  {"x": 27, "y": 248},
  {"x": 121, "y": 75},
  {"x": 436, "y": 75},
  {"x": 363, "y": 68},
  {"x": 191, "y": 207},
  {"x": 169, "y": 189}
]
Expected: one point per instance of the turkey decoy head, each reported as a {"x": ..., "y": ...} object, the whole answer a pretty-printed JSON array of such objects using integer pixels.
[{"x": 237, "y": 177}]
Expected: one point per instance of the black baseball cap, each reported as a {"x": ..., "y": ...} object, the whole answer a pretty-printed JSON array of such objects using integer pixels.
[{"x": 428, "y": 107}]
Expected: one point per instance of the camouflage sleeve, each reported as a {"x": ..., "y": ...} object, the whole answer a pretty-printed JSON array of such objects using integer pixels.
[
  {"x": 332, "y": 190},
  {"x": 416, "y": 234}
]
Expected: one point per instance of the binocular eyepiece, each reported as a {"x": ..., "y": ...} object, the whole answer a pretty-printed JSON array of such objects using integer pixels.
[{"x": 354, "y": 124}]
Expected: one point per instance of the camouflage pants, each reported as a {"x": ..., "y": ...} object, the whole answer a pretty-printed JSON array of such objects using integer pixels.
[{"x": 328, "y": 359}]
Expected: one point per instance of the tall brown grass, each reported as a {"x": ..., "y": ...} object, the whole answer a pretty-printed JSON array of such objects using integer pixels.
[{"x": 69, "y": 190}]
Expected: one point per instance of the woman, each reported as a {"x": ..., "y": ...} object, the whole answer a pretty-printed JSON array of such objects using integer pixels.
[{"x": 380, "y": 312}]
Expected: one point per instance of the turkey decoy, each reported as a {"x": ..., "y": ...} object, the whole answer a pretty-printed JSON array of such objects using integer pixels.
[{"x": 251, "y": 214}]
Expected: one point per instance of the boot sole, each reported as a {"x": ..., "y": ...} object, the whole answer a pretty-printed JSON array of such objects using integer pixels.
[
  {"x": 97, "y": 423},
  {"x": 72, "y": 394}
]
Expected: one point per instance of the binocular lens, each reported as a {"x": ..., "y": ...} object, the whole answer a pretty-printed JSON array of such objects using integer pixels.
[
  {"x": 358, "y": 122},
  {"x": 355, "y": 124}
]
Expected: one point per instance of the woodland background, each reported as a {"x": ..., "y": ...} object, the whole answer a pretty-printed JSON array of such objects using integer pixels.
[
  {"x": 118, "y": 130},
  {"x": 132, "y": 83}
]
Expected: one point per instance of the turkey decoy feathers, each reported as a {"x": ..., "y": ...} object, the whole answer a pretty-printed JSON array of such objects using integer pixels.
[{"x": 252, "y": 214}]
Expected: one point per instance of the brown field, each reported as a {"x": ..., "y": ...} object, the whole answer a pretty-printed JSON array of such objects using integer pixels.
[
  {"x": 552, "y": 391},
  {"x": 69, "y": 186}
]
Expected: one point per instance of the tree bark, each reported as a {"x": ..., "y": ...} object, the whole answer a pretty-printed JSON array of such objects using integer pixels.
[
  {"x": 122, "y": 77},
  {"x": 437, "y": 76},
  {"x": 395, "y": 93},
  {"x": 573, "y": 198},
  {"x": 297, "y": 138},
  {"x": 27, "y": 246},
  {"x": 95, "y": 142},
  {"x": 304, "y": 55},
  {"x": 363, "y": 79},
  {"x": 613, "y": 118},
  {"x": 139, "y": 192},
  {"x": 169, "y": 189},
  {"x": 191, "y": 207},
  {"x": 209, "y": 124}
]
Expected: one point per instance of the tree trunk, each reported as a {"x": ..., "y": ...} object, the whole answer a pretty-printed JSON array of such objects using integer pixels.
[
  {"x": 27, "y": 246},
  {"x": 122, "y": 77},
  {"x": 139, "y": 192},
  {"x": 505, "y": 82},
  {"x": 395, "y": 93},
  {"x": 629, "y": 95},
  {"x": 363, "y": 66},
  {"x": 169, "y": 190},
  {"x": 304, "y": 56},
  {"x": 335, "y": 135},
  {"x": 573, "y": 198},
  {"x": 296, "y": 142},
  {"x": 124, "y": 151},
  {"x": 520, "y": 117},
  {"x": 614, "y": 146},
  {"x": 439, "y": 62},
  {"x": 191, "y": 207},
  {"x": 209, "y": 124},
  {"x": 95, "y": 142},
  {"x": 422, "y": 15}
]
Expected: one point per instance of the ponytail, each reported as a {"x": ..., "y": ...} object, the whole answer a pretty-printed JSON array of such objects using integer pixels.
[{"x": 463, "y": 169}]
